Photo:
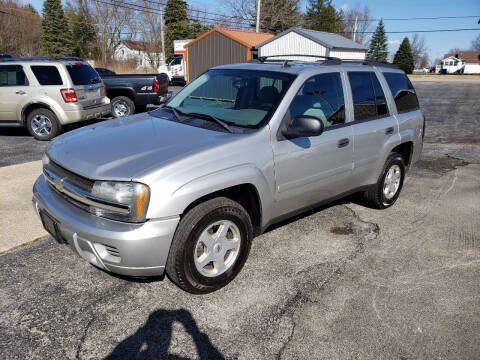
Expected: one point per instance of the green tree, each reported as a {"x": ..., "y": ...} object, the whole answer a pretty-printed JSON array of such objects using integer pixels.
[
  {"x": 83, "y": 33},
  {"x": 404, "y": 57},
  {"x": 177, "y": 24},
  {"x": 55, "y": 37},
  {"x": 322, "y": 16},
  {"x": 378, "y": 49}
]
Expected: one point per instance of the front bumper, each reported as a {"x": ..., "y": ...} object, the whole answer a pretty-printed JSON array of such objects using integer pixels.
[{"x": 118, "y": 247}]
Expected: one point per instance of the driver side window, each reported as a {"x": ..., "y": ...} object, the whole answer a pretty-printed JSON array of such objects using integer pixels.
[{"x": 321, "y": 96}]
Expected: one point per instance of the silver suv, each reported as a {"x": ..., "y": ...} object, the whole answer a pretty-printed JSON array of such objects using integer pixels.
[
  {"x": 46, "y": 93},
  {"x": 185, "y": 188}
]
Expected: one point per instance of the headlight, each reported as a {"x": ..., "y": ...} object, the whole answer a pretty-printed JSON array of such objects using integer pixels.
[{"x": 130, "y": 196}]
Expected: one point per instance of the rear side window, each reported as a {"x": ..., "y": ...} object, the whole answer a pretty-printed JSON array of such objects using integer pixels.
[
  {"x": 12, "y": 75},
  {"x": 368, "y": 97},
  {"x": 47, "y": 75},
  {"x": 402, "y": 91},
  {"x": 380, "y": 101},
  {"x": 83, "y": 74},
  {"x": 322, "y": 97}
]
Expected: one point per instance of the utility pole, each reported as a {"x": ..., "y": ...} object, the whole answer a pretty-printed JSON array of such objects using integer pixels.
[
  {"x": 162, "y": 36},
  {"x": 355, "y": 28},
  {"x": 257, "y": 29}
]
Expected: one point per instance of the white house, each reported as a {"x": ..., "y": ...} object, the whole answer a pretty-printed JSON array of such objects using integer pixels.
[
  {"x": 463, "y": 62},
  {"x": 142, "y": 52},
  {"x": 303, "y": 41}
]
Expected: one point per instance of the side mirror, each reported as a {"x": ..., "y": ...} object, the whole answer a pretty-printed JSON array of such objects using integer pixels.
[{"x": 303, "y": 126}]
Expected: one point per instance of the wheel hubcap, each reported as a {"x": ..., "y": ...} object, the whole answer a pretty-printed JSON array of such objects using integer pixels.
[
  {"x": 120, "y": 108},
  {"x": 41, "y": 125},
  {"x": 217, "y": 248},
  {"x": 392, "y": 181}
]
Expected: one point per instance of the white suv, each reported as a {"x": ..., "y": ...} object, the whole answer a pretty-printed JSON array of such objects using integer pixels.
[{"x": 46, "y": 93}]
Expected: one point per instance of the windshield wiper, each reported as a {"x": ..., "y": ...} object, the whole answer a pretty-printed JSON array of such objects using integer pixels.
[
  {"x": 214, "y": 118},
  {"x": 176, "y": 113}
]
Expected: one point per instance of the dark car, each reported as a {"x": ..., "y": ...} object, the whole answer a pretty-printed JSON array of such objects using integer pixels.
[
  {"x": 131, "y": 93},
  {"x": 5, "y": 56}
]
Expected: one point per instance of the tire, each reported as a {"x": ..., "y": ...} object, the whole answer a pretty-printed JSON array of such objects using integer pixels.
[
  {"x": 42, "y": 124},
  {"x": 379, "y": 196},
  {"x": 205, "y": 221},
  {"x": 122, "y": 106}
]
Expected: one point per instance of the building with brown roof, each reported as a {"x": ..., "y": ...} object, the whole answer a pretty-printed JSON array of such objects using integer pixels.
[
  {"x": 462, "y": 62},
  {"x": 221, "y": 46}
]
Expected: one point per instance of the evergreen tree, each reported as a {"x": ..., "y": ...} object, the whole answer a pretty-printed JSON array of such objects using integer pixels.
[
  {"x": 404, "y": 57},
  {"x": 378, "y": 49},
  {"x": 55, "y": 37},
  {"x": 322, "y": 16},
  {"x": 83, "y": 33},
  {"x": 177, "y": 24}
]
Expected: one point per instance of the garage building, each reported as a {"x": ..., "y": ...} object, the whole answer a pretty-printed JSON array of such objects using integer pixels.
[
  {"x": 303, "y": 41},
  {"x": 219, "y": 47}
]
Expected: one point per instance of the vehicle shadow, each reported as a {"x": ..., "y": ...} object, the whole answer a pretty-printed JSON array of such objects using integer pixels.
[{"x": 152, "y": 340}]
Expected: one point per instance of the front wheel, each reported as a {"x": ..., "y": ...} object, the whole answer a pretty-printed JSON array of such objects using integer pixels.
[
  {"x": 122, "y": 106},
  {"x": 387, "y": 189},
  {"x": 210, "y": 246}
]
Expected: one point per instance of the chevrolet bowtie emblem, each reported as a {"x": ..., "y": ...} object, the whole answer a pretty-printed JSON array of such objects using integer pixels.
[{"x": 58, "y": 185}]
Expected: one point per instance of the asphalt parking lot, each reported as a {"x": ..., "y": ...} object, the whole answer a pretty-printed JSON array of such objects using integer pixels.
[{"x": 340, "y": 282}]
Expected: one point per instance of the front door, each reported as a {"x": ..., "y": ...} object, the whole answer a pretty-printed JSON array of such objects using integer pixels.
[
  {"x": 13, "y": 87},
  {"x": 311, "y": 169}
]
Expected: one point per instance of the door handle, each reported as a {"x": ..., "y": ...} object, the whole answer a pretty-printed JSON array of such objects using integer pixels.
[
  {"x": 20, "y": 92},
  {"x": 343, "y": 142},
  {"x": 389, "y": 130}
]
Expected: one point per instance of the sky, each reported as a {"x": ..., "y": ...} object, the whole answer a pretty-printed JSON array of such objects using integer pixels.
[{"x": 438, "y": 43}]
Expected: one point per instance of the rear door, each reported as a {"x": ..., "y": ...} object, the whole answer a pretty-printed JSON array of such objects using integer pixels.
[
  {"x": 374, "y": 127},
  {"x": 87, "y": 84},
  {"x": 311, "y": 169},
  {"x": 13, "y": 90}
]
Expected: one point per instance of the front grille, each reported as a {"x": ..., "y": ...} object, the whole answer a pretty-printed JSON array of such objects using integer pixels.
[{"x": 70, "y": 177}]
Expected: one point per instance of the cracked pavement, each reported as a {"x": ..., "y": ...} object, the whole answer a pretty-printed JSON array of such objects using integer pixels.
[{"x": 339, "y": 282}]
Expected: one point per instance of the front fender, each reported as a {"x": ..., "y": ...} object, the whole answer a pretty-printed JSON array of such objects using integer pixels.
[{"x": 205, "y": 185}]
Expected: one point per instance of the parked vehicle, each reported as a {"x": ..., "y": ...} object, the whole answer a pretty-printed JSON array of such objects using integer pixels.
[
  {"x": 131, "y": 93},
  {"x": 185, "y": 188},
  {"x": 46, "y": 93},
  {"x": 103, "y": 71},
  {"x": 5, "y": 56},
  {"x": 176, "y": 68}
]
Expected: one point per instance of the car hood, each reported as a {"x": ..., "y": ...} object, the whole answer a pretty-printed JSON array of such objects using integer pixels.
[{"x": 124, "y": 148}]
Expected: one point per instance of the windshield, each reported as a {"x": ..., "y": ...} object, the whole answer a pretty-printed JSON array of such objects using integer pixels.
[{"x": 245, "y": 98}]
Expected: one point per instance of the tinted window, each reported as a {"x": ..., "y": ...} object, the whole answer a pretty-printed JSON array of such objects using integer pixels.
[
  {"x": 176, "y": 61},
  {"x": 402, "y": 91},
  {"x": 47, "y": 75},
  {"x": 380, "y": 101},
  {"x": 321, "y": 96},
  {"x": 363, "y": 95},
  {"x": 83, "y": 74},
  {"x": 12, "y": 75}
]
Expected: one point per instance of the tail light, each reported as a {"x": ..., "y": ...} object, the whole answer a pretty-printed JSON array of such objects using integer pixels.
[
  {"x": 156, "y": 85},
  {"x": 423, "y": 130},
  {"x": 69, "y": 95},
  {"x": 104, "y": 91}
]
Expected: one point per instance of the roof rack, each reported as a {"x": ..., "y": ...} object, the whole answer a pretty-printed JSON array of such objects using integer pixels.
[
  {"x": 42, "y": 58},
  {"x": 323, "y": 60},
  {"x": 328, "y": 60},
  {"x": 370, "y": 62}
]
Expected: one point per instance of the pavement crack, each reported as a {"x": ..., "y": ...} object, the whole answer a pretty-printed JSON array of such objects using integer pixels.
[
  {"x": 285, "y": 344},
  {"x": 84, "y": 336}
]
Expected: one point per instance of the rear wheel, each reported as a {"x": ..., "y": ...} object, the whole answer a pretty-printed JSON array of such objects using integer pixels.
[
  {"x": 122, "y": 106},
  {"x": 210, "y": 246},
  {"x": 387, "y": 189},
  {"x": 43, "y": 124}
]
